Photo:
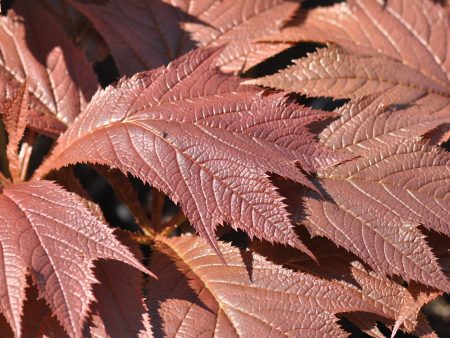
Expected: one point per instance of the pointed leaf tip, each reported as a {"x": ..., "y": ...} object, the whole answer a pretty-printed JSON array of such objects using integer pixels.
[{"x": 195, "y": 134}]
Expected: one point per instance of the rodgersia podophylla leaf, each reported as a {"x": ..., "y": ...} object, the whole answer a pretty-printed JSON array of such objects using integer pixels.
[
  {"x": 197, "y": 135},
  {"x": 372, "y": 189},
  {"x": 368, "y": 123},
  {"x": 145, "y": 34},
  {"x": 15, "y": 115},
  {"x": 35, "y": 49},
  {"x": 377, "y": 202},
  {"x": 399, "y": 304},
  {"x": 120, "y": 310},
  {"x": 400, "y": 47},
  {"x": 203, "y": 296},
  {"x": 49, "y": 233}
]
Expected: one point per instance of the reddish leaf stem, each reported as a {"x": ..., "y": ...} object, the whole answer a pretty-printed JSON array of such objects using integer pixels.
[
  {"x": 173, "y": 223},
  {"x": 157, "y": 208},
  {"x": 25, "y": 154}
]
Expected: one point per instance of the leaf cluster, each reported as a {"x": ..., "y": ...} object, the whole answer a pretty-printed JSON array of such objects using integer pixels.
[{"x": 343, "y": 214}]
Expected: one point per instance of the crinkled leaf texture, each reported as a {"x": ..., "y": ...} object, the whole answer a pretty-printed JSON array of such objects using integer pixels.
[
  {"x": 402, "y": 304},
  {"x": 400, "y": 47},
  {"x": 197, "y": 135},
  {"x": 49, "y": 233},
  {"x": 377, "y": 201},
  {"x": 368, "y": 123},
  {"x": 399, "y": 304},
  {"x": 145, "y": 34},
  {"x": 395, "y": 185},
  {"x": 36, "y": 49},
  {"x": 196, "y": 295}
]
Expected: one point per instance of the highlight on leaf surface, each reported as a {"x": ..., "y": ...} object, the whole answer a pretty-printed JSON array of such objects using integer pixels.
[
  {"x": 197, "y": 135},
  {"x": 372, "y": 189},
  {"x": 375, "y": 122},
  {"x": 145, "y": 34},
  {"x": 247, "y": 296},
  {"x": 377, "y": 202},
  {"x": 400, "y": 47}
]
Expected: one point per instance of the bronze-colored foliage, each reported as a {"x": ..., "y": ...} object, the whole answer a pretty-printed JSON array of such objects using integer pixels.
[
  {"x": 145, "y": 34},
  {"x": 396, "y": 46},
  {"x": 331, "y": 215}
]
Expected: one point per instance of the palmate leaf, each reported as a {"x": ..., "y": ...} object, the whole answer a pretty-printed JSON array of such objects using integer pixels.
[
  {"x": 60, "y": 80},
  {"x": 49, "y": 233},
  {"x": 145, "y": 34},
  {"x": 194, "y": 133},
  {"x": 398, "y": 46},
  {"x": 196, "y": 295}
]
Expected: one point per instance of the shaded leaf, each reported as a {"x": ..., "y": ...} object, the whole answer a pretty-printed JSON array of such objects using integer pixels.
[
  {"x": 60, "y": 80},
  {"x": 120, "y": 310},
  {"x": 14, "y": 116},
  {"x": 49, "y": 233},
  {"x": 145, "y": 34},
  {"x": 38, "y": 321},
  {"x": 377, "y": 203},
  {"x": 394, "y": 300},
  {"x": 331, "y": 262},
  {"x": 398, "y": 302},
  {"x": 239, "y": 25},
  {"x": 141, "y": 34},
  {"x": 197, "y": 295},
  {"x": 193, "y": 133},
  {"x": 79, "y": 28}
]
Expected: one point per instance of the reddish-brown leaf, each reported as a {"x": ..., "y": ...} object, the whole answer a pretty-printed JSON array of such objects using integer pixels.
[
  {"x": 399, "y": 46},
  {"x": 120, "y": 310},
  {"x": 331, "y": 262},
  {"x": 411, "y": 31},
  {"x": 141, "y": 34},
  {"x": 377, "y": 203},
  {"x": 335, "y": 72},
  {"x": 145, "y": 34},
  {"x": 14, "y": 114},
  {"x": 36, "y": 49},
  {"x": 371, "y": 123},
  {"x": 195, "y": 134},
  {"x": 79, "y": 28},
  {"x": 240, "y": 24},
  {"x": 395, "y": 301},
  {"x": 398, "y": 302},
  {"x": 196, "y": 295},
  {"x": 38, "y": 321},
  {"x": 49, "y": 233}
]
